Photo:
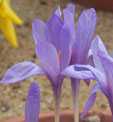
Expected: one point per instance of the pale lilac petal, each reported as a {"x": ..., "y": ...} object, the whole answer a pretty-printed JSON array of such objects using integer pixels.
[
  {"x": 32, "y": 107},
  {"x": 91, "y": 99},
  {"x": 65, "y": 43},
  {"x": 89, "y": 59},
  {"x": 40, "y": 31},
  {"x": 21, "y": 71},
  {"x": 97, "y": 46},
  {"x": 85, "y": 30},
  {"x": 98, "y": 76},
  {"x": 48, "y": 56},
  {"x": 103, "y": 62},
  {"x": 107, "y": 63},
  {"x": 73, "y": 72},
  {"x": 55, "y": 25},
  {"x": 69, "y": 12},
  {"x": 71, "y": 8},
  {"x": 58, "y": 12}
]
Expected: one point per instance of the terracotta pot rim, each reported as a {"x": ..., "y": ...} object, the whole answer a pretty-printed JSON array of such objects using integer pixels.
[
  {"x": 65, "y": 112},
  {"x": 106, "y": 5}
]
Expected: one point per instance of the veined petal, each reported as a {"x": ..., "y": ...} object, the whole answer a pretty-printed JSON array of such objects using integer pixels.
[
  {"x": 103, "y": 62},
  {"x": 91, "y": 99},
  {"x": 58, "y": 12},
  {"x": 107, "y": 63},
  {"x": 55, "y": 25},
  {"x": 40, "y": 31},
  {"x": 65, "y": 44},
  {"x": 8, "y": 29},
  {"x": 97, "y": 46},
  {"x": 85, "y": 30},
  {"x": 69, "y": 12},
  {"x": 32, "y": 107},
  {"x": 12, "y": 15},
  {"x": 48, "y": 56},
  {"x": 98, "y": 76},
  {"x": 73, "y": 72},
  {"x": 21, "y": 71}
]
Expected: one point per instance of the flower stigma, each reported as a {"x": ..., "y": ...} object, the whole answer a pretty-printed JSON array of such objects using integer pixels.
[{"x": 59, "y": 55}]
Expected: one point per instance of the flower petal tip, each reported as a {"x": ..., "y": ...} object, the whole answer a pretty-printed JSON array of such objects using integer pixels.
[
  {"x": 34, "y": 89},
  {"x": 15, "y": 45},
  {"x": 20, "y": 22}
]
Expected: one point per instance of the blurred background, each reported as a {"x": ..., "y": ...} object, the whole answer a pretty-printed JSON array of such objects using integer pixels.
[{"x": 13, "y": 96}]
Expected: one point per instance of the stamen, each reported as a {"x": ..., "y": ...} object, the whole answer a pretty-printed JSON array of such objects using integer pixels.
[{"x": 59, "y": 55}]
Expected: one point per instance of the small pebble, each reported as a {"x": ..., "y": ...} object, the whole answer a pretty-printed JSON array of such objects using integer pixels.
[
  {"x": 34, "y": 56},
  {"x": 5, "y": 108},
  {"x": 26, "y": 24},
  {"x": 104, "y": 105},
  {"x": 43, "y": 2},
  {"x": 93, "y": 118},
  {"x": 20, "y": 106},
  {"x": 15, "y": 86}
]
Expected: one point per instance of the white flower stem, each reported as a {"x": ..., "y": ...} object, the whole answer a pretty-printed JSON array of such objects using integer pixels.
[
  {"x": 57, "y": 111},
  {"x": 57, "y": 93},
  {"x": 75, "y": 92}
]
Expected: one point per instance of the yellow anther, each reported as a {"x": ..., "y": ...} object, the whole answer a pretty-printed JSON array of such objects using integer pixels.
[{"x": 59, "y": 55}]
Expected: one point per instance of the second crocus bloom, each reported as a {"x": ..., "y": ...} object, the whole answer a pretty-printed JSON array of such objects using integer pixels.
[
  {"x": 103, "y": 73},
  {"x": 84, "y": 35}
]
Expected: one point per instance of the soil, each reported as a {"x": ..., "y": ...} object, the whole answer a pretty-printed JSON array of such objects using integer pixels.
[{"x": 13, "y": 96}]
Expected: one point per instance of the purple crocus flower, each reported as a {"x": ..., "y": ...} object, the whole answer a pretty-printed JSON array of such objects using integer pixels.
[
  {"x": 54, "y": 41},
  {"x": 80, "y": 52},
  {"x": 32, "y": 107},
  {"x": 103, "y": 73},
  {"x": 53, "y": 47}
]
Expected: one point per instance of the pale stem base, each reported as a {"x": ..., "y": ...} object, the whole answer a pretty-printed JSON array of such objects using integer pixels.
[
  {"x": 57, "y": 94},
  {"x": 75, "y": 92},
  {"x": 57, "y": 112}
]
